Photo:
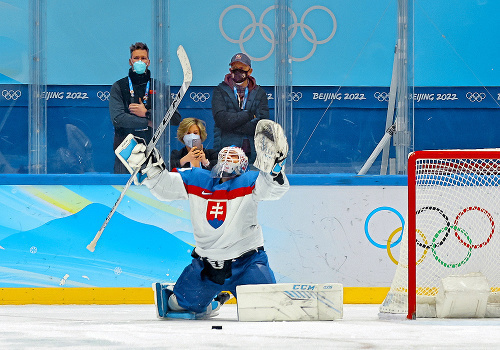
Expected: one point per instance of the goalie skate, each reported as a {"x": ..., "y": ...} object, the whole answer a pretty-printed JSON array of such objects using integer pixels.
[{"x": 162, "y": 293}]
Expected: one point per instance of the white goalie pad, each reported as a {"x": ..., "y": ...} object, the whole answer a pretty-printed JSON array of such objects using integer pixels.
[
  {"x": 464, "y": 296},
  {"x": 290, "y": 302},
  {"x": 271, "y": 145}
]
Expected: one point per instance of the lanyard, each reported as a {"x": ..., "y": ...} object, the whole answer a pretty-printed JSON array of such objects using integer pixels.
[
  {"x": 244, "y": 98},
  {"x": 146, "y": 93}
]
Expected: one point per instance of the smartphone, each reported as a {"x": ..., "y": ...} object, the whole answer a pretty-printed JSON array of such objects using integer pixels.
[{"x": 197, "y": 143}]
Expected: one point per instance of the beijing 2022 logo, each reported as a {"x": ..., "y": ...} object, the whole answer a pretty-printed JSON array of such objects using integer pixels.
[{"x": 247, "y": 33}]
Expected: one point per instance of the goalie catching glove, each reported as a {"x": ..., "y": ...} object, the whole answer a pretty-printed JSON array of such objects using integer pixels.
[
  {"x": 271, "y": 147},
  {"x": 132, "y": 153}
]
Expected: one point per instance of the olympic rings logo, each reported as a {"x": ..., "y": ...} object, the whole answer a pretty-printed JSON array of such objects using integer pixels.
[
  {"x": 438, "y": 238},
  {"x": 475, "y": 96},
  {"x": 381, "y": 96},
  {"x": 445, "y": 231},
  {"x": 294, "y": 96},
  {"x": 11, "y": 94},
  {"x": 199, "y": 96},
  {"x": 103, "y": 95},
  {"x": 306, "y": 30}
]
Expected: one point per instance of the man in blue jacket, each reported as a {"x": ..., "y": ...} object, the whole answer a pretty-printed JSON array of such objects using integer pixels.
[{"x": 238, "y": 103}]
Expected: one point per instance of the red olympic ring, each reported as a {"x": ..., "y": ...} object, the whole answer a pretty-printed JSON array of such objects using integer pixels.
[{"x": 475, "y": 246}]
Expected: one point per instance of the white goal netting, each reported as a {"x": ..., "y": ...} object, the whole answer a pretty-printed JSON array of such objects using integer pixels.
[{"x": 456, "y": 215}]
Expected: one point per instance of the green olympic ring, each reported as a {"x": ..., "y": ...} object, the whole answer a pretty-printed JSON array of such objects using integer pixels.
[{"x": 434, "y": 245}]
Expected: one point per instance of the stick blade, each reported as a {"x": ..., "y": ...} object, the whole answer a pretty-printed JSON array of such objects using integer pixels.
[{"x": 186, "y": 66}]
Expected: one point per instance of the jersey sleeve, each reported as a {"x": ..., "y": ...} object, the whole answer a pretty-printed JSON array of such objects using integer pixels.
[
  {"x": 167, "y": 186},
  {"x": 266, "y": 189}
]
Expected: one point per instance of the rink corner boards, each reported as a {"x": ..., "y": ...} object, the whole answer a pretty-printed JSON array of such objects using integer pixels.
[{"x": 140, "y": 295}]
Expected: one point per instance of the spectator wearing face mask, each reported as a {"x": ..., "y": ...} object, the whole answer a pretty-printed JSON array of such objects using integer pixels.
[
  {"x": 130, "y": 101},
  {"x": 238, "y": 103},
  {"x": 192, "y": 133}
]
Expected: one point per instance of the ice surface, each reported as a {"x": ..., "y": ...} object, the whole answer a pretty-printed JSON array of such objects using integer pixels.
[{"x": 136, "y": 326}]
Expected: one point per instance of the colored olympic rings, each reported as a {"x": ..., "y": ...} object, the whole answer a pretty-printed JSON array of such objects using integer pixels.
[
  {"x": 439, "y": 238},
  {"x": 452, "y": 265},
  {"x": 426, "y": 246},
  {"x": 469, "y": 245},
  {"x": 446, "y": 230},
  {"x": 378, "y": 245}
]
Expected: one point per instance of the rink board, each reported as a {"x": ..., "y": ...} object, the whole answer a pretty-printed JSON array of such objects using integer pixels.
[
  {"x": 308, "y": 236},
  {"x": 114, "y": 296}
]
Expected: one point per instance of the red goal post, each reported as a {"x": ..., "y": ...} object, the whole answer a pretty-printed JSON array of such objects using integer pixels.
[{"x": 468, "y": 168}]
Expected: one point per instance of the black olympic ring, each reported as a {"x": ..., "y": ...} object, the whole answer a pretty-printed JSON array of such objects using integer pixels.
[
  {"x": 455, "y": 224},
  {"x": 475, "y": 246},
  {"x": 445, "y": 217}
]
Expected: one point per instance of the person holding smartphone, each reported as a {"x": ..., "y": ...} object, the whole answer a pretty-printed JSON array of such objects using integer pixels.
[{"x": 192, "y": 132}]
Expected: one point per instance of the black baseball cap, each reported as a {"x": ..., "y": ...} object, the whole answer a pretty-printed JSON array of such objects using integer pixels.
[{"x": 241, "y": 57}]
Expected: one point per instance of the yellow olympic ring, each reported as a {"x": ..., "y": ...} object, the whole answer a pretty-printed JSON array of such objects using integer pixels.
[{"x": 389, "y": 246}]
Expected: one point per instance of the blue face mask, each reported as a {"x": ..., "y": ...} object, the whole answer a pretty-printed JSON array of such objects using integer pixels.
[{"x": 139, "y": 67}]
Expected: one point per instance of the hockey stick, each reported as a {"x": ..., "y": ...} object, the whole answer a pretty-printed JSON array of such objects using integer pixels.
[
  {"x": 384, "y": 141},
  {"x": 188, "y": 77}
]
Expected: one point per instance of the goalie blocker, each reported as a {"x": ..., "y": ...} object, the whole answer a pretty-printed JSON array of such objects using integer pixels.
[
  {"x": 290, "y": 302},
  {"x": 132, "y": 153}
]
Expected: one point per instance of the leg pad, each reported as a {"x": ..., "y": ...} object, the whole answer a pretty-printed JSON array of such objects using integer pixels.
[{"x": 290, "y": 302}]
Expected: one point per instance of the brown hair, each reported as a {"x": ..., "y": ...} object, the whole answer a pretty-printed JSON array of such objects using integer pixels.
[
  {"x": 187, "y": 123},
  {"x": 139, "y": 46}
]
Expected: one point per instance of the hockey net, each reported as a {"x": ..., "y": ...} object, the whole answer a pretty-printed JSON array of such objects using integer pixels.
[{"x": 453, "y": 208}]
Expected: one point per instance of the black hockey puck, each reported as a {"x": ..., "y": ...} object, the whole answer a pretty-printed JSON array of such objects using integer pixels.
[{"x": 216, "y": 327}]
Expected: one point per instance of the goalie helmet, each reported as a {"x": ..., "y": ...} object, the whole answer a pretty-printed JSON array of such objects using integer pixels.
[{"x": 231, "y": 162}]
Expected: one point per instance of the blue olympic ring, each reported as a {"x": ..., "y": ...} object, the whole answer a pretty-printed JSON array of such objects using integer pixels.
[{"x": 384, "y": 246}]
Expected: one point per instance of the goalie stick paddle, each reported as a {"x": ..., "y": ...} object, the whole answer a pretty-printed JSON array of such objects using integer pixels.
[{"x": 188, "y": 77}]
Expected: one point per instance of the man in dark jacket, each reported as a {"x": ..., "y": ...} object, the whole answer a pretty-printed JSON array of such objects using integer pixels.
[
  {"x": 130, "y": 101},
  {"x": 238, "y": 103}
]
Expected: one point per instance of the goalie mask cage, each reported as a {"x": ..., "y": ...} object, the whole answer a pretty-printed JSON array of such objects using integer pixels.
[{"x": 453, "y": 208}]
